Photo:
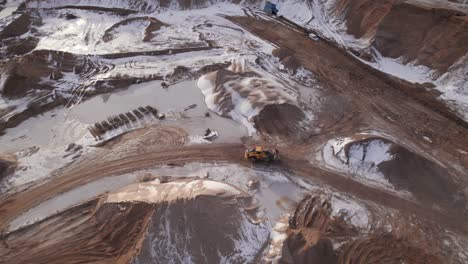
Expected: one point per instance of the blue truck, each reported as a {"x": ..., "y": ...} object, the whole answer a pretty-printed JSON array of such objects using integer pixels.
[{"x": 270, "y": 8}]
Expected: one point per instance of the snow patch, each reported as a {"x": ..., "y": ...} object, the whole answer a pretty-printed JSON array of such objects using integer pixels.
[
  {"x": 409, "y": 72},
  {"x": 248, "y": 96},
  {"x": 355, "y": 213},
  {"x": 195, "y": 140},
  {"x": 361, "y": 161}
]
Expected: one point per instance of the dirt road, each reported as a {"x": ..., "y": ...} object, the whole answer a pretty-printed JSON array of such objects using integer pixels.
[
  {"x": 89, "y": 169},
  {"x": 92, "y": 168},
  {"x": 380, "y": 98}
]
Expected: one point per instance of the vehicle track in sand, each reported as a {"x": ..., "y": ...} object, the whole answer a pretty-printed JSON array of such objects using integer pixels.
[
  {"x": 91, "y": 168},
  {"x": 376, "y": 105},
  {"x": 386, "y": 104}
]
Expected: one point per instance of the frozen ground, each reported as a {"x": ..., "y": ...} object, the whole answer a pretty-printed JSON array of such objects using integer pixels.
[
  {"x": 249, "y": 95},
  {"x": 53, "y": 131},
  {"x": 277, "y": 191},
  {"x": 185, "y": 54},
  {"x": 319, "y": 16},
  {"x": 360, "y": 161}
]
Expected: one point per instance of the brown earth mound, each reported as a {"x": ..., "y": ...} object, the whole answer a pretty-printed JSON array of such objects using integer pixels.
[
  {"x": 433, "y": 35},
  {"x": 426, "y": 179},
  {"x": 14, "y": 38},
  {"x": 155, "y": 136},
  {"x": 307, "y": 242},
  {"x": 385, "y": 249},
  {"x": 207, "y": 230},
  {"x": 26, "y": 73},
  {"x": 92, "y": 232},
  {"x": 20, "y": 25},
  {"x": 154, "y": 25},
  {"x": 8, "y": 165},
  {"x": 279, "y": 116},
  {"x": 436, "y": 38},
  {"x": 202, "y": 218},
  {"x": 281, "y": 120},
  {"x": 406, "y": 170},
  {"x": 312, "y": 228},
  {"x": 287, "y": 59}
]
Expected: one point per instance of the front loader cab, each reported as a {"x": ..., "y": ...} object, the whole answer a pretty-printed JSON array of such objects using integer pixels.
[{"x": 258, "y": 154}]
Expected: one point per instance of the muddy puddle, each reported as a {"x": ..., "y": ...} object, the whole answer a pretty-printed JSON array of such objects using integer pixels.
[{"x": 63, "y": 126}]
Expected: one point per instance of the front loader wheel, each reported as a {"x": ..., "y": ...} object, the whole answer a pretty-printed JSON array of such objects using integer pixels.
[{"x": 252, "y": 159}]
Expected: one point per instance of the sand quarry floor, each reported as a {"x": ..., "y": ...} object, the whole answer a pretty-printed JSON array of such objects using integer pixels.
[{"x": 103, "y": 157}]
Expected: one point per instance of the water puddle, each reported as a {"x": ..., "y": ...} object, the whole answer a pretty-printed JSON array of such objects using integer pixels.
[{"x": 63, "y": 126}]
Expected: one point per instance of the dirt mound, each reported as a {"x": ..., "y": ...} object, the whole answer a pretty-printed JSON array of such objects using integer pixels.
[
  {"x": 385, "y": 249},
  {"x": 27, "y": 72},
  {"x": 85, "y": 233},
  {"x": 139, "y": 221},
  {"x": 20, "y": 25},
  {"x": 251, "y": 99},
  {"x": 312, "y": 228},
  {"x": 152, "y": 25},
  {"x": 8, "y": 165},
  {"x": 435, "y": 38},
  {"x": 14, "y": 40},
  {"x": 283, "y": 120},
  {"x": 402, "y": 168},
  {"x": 287, "y": 59},
  {"x": 307, "y": 242},
  {"x": 365, "y": 25},
  {"x": 426, "y": 179},
  {"x": 208, "y": 230}
]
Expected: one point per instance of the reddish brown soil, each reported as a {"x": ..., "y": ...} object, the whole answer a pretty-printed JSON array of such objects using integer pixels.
[
  {"x": 281, "y": 120},
  {"x": 379, "y": 98},
  {"x": 367, "y": 100},
  {"x": 427, "y": 180},
  {"x": 437, "y": 37},
  {"x": 89, "y": 233},
  {"x": 363, "y": 16},
  {"x": 154, "y": 25},
  {"x": 14, "y": 202},
  {"x": 434, "y": 36},
  {"x": 20, "y": 25},
  {"x": 385, "y": 249},
  {"x": 8, "y": 164},
  {"x": 312, "y": 227},
  {"x": 108, "y": 229}
]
